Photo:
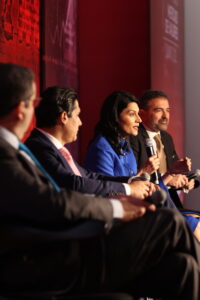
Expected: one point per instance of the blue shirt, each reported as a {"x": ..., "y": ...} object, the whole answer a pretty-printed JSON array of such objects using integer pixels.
[{"x": 102, "y": 158}]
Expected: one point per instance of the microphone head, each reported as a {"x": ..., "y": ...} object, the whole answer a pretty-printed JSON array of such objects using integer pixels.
[
  {"x": 197, "y": 173},
  {"x": 193, "y": 175},
  {"x": 149, "y": 142},
  {"x": 158, "y": 198},
  {"x": 145, "y": 176}
]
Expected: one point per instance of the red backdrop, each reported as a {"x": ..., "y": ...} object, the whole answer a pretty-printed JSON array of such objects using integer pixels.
[
  {"x": 59, "y": 46},
  {"x": 167, "y": 65},
  {"x": 114, "y": 50},
  {"x": 114, "y": 54},
  {"x": 19, "y": 35}
]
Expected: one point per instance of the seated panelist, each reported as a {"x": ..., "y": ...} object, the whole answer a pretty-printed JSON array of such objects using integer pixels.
[
  {"x": 58, "y": 121},
  {"x": 57, "y": 242},
  {"x": 110, "y": 151}
]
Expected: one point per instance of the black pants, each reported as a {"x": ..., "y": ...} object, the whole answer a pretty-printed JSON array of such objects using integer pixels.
[{"x": 155, "y": 255}]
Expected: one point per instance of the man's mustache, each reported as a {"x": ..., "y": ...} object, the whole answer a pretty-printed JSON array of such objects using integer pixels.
[{"x": 164, "y": 119}]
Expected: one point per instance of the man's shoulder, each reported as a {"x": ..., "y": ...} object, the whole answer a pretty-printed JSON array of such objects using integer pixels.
[
  {"x": 6, "y": 148},
  {"x": 165, "y": 135},
  {"x": 35, "y": 135},
  {"x": 38, "y": 138},
  {"x": 142, "y": 133},
  {"x": 140, "y": 137}
]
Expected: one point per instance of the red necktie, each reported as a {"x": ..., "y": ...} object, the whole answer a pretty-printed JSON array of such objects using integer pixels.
[{"x": 70, "y": 160}]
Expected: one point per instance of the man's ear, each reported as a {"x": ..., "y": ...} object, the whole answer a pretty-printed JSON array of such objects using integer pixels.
[
  {"x": 19, "y": 110},
  {"x": 63, "y": 118}
]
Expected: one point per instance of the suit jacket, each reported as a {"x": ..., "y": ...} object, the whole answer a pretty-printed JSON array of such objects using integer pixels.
[
  {"x": 102, "y": 158},
  {"x": 37, "y": 249},
  {"x": 57, "y": 166},
  {"x": 37, "y": 255},
  {"x": 139, "y": 147}
]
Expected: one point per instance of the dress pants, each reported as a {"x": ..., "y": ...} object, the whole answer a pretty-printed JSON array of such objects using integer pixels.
[{"x": 155, "y": 255}]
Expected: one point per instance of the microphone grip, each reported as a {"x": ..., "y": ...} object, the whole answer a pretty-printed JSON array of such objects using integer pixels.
[
  {"x": 192, "y": 176},
  {"x": 155, "y": 177},
  {"x": 150, "y": 152}
]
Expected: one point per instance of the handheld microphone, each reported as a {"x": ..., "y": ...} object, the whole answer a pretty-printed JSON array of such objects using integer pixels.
[
  {"x": 150, "y": 152},
  {"x": 143, "y": 176},
  {"x": 193, "y": 175},
  {"x": 159, "y": 197}
]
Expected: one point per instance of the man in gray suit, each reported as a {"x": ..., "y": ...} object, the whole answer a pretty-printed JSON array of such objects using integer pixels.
[{"x": 47, "y": 243}]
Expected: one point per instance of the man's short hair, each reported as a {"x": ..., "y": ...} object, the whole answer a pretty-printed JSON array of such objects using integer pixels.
[
  {"x": 54, "y": 101},
  {"x": 148, "y": 95},
  {"x": 16, "y": 84}
]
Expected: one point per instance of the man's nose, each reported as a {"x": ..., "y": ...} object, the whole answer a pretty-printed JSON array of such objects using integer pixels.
[{"x": 165, "y": 114}]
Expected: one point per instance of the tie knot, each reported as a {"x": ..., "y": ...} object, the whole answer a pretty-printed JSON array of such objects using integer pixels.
[
  {"x": 65, "y": 152},
  {"x": 157, "y": 137}
]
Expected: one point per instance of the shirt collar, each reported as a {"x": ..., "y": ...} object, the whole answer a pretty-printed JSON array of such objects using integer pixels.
[
  {"x": 9, "y": 137},
  {"x": 54, "y": 140},
  {"x": 150, "y": 133}
]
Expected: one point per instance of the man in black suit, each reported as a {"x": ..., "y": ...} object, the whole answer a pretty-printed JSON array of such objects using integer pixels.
[
  {"x": 47, "y": 243},
  {"x": 58, "y": 121},
  {"x": 155, "y": 114}
]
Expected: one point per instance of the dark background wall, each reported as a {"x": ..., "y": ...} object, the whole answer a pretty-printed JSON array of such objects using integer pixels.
[
  {"x": 97, "y": 47},
  {"x": 114, "y": 54}
]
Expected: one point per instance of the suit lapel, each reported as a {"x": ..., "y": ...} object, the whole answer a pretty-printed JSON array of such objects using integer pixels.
[
  {"x": 44, "y": 140},
  {"x": 29, "y": 166},
  {"x": 166, "y": 146},
  {"x": 143, "y": 132}
]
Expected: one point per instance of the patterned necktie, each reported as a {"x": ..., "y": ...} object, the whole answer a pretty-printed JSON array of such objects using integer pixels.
[
  {"x": 38, "y": 164},
  {"x": 161, "y": 154},
  {"x": 69, "y": 160}
]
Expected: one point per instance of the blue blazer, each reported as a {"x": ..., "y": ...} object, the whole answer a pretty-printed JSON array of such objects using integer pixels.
[
  {"x": 58, "y": 168},
  {"x": 102, "y": 158}
]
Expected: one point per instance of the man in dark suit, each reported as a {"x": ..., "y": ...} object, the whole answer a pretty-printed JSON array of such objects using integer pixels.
[
  {"x": 155, "y": 114},
  {"x": 58, "y": 121},
  {"x": 47, "y": 243}
]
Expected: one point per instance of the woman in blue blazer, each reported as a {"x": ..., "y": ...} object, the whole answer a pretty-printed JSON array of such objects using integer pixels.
[{"x": 109, "y": 152}]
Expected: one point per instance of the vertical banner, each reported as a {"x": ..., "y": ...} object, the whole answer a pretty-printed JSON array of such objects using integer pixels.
[
  {"x": 19, "y": 34},
  {"x": 59, "y": 46},
  {"x": 167, "y": 61}
]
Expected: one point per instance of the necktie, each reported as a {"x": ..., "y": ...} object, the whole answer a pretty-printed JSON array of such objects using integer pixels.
[
  {"x": 161, "y": 154},
  {"x": 38, "y": 164},
  {"x": 69, "y": 160}
]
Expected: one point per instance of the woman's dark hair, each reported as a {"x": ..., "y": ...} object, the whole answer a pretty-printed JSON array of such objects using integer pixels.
[
  {"x": 54, "y": 101},
  {"x": 108, "y": 125}
]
